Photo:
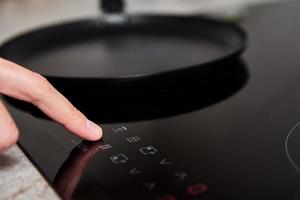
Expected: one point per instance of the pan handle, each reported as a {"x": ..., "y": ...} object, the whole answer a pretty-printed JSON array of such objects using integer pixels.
[{"x": 112, "y": 6}]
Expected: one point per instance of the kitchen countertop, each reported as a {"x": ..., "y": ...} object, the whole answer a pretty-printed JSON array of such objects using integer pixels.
[{"x": 19, "y": 179}]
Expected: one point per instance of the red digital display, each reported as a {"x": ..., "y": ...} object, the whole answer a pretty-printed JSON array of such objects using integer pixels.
[{"x": 197, "y": 189}]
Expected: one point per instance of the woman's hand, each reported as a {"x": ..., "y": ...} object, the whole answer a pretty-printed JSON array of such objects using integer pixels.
[{"x": 23, "y": 84}]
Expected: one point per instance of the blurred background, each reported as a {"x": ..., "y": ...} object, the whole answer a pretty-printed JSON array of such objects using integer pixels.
[{"x": 21, "y": 15}]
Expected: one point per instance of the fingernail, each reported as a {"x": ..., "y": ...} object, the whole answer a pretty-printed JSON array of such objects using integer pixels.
[{"x": 94, "y": 128}]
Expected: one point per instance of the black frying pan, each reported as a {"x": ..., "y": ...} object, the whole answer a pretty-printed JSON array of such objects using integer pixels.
[{"x": 122, "y": 51}]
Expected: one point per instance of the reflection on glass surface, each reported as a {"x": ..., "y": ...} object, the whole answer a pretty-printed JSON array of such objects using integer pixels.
[{"x": 71, "y": 171}]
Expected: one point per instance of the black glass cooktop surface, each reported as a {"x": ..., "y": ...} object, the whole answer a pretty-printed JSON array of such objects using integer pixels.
[{"x": 231, "y": 134}]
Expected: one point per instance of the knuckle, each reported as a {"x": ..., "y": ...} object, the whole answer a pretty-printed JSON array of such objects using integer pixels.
[
  {"x": 41, "y": 86},
  {"x": 75, "y": 117},
  {"x": 11, "y": 138},
  {"x": 14, "y": 135},
  {"x": 74, "y": 113},
  {"x": 40, "y": 80}
]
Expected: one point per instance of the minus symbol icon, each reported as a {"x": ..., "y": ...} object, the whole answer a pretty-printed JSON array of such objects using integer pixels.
[{"x": 107, "y": 146}]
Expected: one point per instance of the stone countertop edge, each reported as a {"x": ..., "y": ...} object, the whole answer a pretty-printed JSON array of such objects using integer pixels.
[{"x": 19, "y": 179}]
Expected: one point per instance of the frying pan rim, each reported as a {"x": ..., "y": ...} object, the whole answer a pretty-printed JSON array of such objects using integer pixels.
[{"x": 228, "y": 54}]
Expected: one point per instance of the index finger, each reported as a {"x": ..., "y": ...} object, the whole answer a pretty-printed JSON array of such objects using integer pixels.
[{"x": 23, "y": 84}]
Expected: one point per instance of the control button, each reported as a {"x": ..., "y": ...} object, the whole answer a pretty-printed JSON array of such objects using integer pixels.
[
  {"x": 149, "y": 185},
  {"x": 120, "y": 129},
  {"x": 120, "y": 158},
  {"x": 133, "y": 139},
  {"x": 135, "y": 171},
  {"x": 197, "y": 189},
  {"x": 166, "y": 197},
  {"x": 106, "y": 146},
  {"x": 148, "y": 150},
  {"x": 80, "y": 145},
  {"x": 165, "y": 162},
  {"x": 181, "y": 175}
]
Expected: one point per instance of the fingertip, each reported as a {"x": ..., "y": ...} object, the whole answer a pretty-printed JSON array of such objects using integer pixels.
[
  {"x": 83, "y": 127},
  {"x": 94, "y": 131}
]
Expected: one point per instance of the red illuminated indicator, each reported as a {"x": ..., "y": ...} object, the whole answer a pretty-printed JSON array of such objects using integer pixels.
[
  {"x": 197, "y": 189},
  {"x": 166, "y": 197}
]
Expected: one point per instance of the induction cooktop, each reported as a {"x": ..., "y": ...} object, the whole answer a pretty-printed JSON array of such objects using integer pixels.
[{"x": 231, "y": 134}]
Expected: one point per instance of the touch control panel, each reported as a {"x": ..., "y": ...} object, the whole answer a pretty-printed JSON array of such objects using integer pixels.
[{"x": 129, "y": 165}]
